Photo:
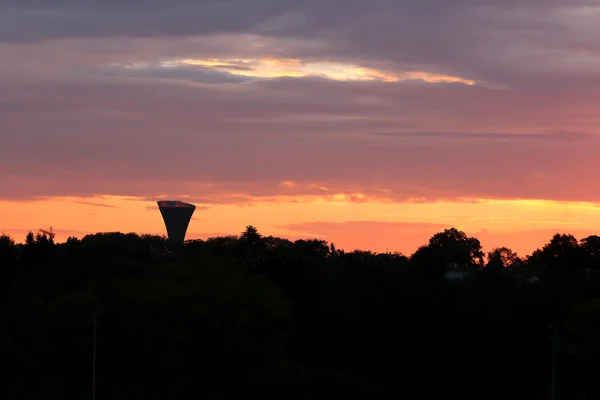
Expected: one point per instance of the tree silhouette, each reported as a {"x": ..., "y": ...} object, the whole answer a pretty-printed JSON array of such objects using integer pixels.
[
  {"x": 591, "y": 247},
  {"x": 454, "y": 246},
  {"x": 8, "y": 258},
  {"x": 251, "y": 315},
  {"x": 251, "y": 235},
  {"x": 503, "y": 257}
]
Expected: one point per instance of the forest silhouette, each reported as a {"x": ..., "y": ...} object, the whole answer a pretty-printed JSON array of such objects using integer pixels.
[{"x": 248, "y": 316}]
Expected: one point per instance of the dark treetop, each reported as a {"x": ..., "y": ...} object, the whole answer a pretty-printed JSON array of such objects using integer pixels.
[{"x": 250, "y": 316}]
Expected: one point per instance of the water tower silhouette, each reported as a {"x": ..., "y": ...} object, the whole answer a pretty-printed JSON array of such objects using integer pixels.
[{"x": 176, "y": 215}]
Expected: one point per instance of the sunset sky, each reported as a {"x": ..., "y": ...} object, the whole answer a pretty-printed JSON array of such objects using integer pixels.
[{"x": 369, "y": 123}]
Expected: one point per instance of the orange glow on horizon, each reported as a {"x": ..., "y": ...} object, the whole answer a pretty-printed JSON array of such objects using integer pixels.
[{"x": 350, "y": 220}]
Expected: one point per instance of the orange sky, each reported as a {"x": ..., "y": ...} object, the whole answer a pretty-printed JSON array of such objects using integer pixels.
[
  {"x": 304, "y": 119},
  {"x": 377, "y": 225}
]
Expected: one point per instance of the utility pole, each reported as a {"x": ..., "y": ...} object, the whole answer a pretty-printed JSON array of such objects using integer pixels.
[
  {"x": 555, "y": 343},
  {"x": 94, "y": 322}
]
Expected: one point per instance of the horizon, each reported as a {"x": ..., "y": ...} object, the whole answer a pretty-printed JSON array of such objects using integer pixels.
[
  {"x": 209, "y": 236},
  {"x": 371, "y": 125},
  {"x": 393, "y": 235}
]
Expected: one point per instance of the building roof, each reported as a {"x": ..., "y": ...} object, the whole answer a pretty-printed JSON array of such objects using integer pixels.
[{"x": 174, "y": 203}]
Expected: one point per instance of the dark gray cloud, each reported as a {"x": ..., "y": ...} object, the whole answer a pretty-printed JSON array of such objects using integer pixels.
[
  {"x": 39, "y": 20},
  {"x": 527, "y": 45},
  {"x": 131, "y": 19}
]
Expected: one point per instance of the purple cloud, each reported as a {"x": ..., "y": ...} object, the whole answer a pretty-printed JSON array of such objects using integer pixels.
[{"x": 76, "y": 119}]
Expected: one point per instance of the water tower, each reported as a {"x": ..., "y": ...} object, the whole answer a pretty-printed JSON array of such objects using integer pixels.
[{"x": 177, "y": 216}]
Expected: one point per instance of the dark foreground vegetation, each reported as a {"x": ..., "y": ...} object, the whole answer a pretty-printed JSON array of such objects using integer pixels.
[{"x": 263, "y": 317}]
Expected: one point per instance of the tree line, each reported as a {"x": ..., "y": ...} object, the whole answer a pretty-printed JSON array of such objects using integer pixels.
[{"x": 250, "y": 315}]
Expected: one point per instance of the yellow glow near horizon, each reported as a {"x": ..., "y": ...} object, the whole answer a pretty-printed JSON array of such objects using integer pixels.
[
  {"x": 382, "y": 224},
  {"x": 277, "y": 68}
]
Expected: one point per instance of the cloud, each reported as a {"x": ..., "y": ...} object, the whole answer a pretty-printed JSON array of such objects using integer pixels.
[
  {"x": 557, "y": 135},
  {"x": 101, "y": 19},
  {"x": 68, "y": 18},
  {"x": 374, "y": 100},
  {"x": 241, "y": 71},
  {"x": 190, "y": 73},
  {"x": 91, "y": 203},
  {"x": 228, "y": 145},
  {"x": 521, "y": 44},
  {"x": 532, "y": 45}
]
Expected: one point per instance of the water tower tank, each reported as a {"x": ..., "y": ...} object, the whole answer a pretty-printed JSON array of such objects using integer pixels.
[{"x": 177, "y": 216}]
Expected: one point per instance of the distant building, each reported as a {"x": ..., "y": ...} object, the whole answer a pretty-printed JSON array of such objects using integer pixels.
[
  {"x": 456, "y": 271},
  {"x": 177, "y": 216}
]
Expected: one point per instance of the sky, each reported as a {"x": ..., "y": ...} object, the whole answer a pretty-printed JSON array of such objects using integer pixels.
[{"x": 372, "y": 124}]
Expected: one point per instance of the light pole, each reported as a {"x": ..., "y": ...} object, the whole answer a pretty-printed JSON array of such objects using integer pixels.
[
  {"x": 94, "y": 322},
  {"x": 555, "y": 343}
]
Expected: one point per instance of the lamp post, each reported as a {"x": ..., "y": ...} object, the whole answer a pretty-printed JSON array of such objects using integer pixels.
[
  {"x": 555, "y": 343},
  {"x": 94, "y": 322}
]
